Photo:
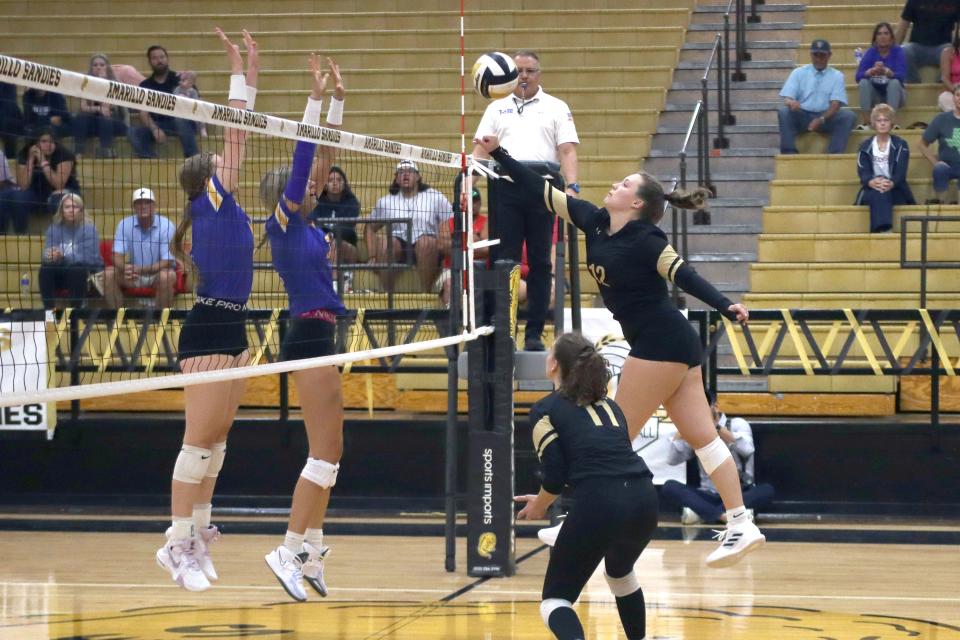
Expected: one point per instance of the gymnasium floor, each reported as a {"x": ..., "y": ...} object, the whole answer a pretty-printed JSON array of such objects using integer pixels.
[{"x": 106, "y": 586}]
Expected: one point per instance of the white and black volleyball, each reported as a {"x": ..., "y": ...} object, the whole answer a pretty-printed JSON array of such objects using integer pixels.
[{"x": 495, "y": 75}]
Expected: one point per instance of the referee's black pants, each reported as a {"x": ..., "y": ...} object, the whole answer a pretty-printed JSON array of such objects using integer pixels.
[
  {"x": 613, "y": 519},
  {"x": 517, "y": 216}
]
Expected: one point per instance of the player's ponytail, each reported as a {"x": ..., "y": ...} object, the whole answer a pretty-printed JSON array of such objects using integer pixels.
[
  {"x": 194, "y": 174},
  {"x": 654, "y": 199},
  {"x": 583, "y": 371}
]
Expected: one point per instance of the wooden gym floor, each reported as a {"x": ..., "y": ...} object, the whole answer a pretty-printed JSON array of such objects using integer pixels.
[{"x": 106, "y": 586}]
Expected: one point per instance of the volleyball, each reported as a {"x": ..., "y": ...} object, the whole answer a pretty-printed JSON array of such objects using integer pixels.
[{"x": 495, "y": 75}]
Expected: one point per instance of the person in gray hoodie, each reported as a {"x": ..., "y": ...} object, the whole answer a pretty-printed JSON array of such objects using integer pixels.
[{"x": 71, "y": 253}]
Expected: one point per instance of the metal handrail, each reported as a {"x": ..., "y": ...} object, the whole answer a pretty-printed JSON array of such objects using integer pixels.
[{"x": 721, "y": 141}]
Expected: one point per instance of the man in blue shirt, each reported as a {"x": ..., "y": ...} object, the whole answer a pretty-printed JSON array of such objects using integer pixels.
[
  {"x": 141, "y": 254},
  {"x": 813, "y": 96}
]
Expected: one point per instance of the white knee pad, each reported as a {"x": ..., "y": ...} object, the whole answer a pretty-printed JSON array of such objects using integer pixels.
[
  {"x": 217, "y": 455},
  {"x": 550, "y": 605},
  {"x": 713, "y": 455},
  {"x": 624, "y": 586},
  {"x": 320, "y": 472},
  {"x": 191, "y": 464}
]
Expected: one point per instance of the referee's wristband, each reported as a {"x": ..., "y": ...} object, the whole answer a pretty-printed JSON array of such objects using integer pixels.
[{"x": 238, "y": 87}]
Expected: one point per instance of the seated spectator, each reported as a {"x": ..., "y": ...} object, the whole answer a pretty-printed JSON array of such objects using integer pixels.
[
  {"x": 155, "y": 128},
  {"x": 7, "y": 178},
  {"x": 704, "y": 504},
  {"x": 410, "y": 197},
  {"x": 945, "y": 130},
  {"x": 480, "y": 232},
  {"x": 71, "y": 253},
  {"x": 45, "y": 110},
  {"x": 882, "y": 164},
  {"x": 813, "y": 96},
  {"x": 881, "y": 73},
  {"x": 933, "y": 22},
  {"x": 11, "y": 119},
  {"x": 99, "y": 119},
  {"x": 187, "y": 88},
  {"x": 46, "y": 170},
  {"x": 141, "y": 254},
  {"x": 336, "y": 200},
  {"x": 950, "y": 71}
]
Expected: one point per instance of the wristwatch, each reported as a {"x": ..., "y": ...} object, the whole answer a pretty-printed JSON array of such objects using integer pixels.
[{"x": 575, "y": 186}]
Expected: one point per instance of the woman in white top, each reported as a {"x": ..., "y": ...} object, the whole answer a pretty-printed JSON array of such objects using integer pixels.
[{"x": 882, "y": 164}]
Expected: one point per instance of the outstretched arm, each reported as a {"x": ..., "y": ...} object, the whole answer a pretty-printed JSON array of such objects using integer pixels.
[
  {"x": 295, "y": 191},
  {"x": 234, "y": 140},
  {"x": 578, "y": 212},
  {"x": 327, "y": 156}
]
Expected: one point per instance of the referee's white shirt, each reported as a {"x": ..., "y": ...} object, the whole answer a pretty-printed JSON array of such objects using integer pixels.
[{"x": 533, "y": 132}]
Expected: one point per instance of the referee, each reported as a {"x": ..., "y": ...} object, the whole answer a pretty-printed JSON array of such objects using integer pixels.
[
  {"x": 536, "y": 127},
  {"x": 582, "y": 440}
]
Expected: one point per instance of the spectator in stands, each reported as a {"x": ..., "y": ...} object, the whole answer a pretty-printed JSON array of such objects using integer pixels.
[
  {"x": 8, "y": 184},
  {"x": 480, "y": 232},
  {"x": 933, "y": 21},
  {"x": 45, "y": 110},
  {"x": 337, "y": 200},
  {"x": 71, "y": 253},
  {"x": 536, "y": 127},
  {"x": 99, "y": 119},
  {"x": 882, "y": 164},
  {"x": 11, "y": 119},
  {"x": 881, "y": 73},
  {"x": 141, "y": 254},
  {"x": 950, "y": 71},
  {"x": 945, "y": 130},
  {"x": 704, "y": 504},
  {"x": 155, "y": 128},
  {"x": 410, "y": 197},
  {"x": 46, "y": 170},
  {"x": 187, "y": 87},
  {"x": 813, "y": 96}
]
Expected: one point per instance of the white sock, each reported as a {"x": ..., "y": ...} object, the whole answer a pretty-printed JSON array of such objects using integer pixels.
[
  {"x": 293, "y": 541},
  {"x": 314, "y": 537},
  {"x": 737, "y": 516},
  {"x": 201, "y": 515},
  {"x": 182, "y": 528}
]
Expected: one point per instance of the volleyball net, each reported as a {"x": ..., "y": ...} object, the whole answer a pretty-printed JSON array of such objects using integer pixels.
[{"x": 93, "y": 300}]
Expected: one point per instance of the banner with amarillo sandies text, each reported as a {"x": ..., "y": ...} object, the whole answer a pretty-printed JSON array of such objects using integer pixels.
[{"x": 24, "y": 366}]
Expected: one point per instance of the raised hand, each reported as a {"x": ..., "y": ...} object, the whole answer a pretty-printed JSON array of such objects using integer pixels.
[
  {"x": 320, "y": 77},
  {"x": 233, "y": 52},
  {"x": 488, "y": 143},
  {"x": 338, "y": 89},
  {"x": 743, "y": 315},
  {"x": 253, "y": 52}
]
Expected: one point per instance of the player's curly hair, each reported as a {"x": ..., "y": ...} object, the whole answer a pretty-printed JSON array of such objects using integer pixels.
[{"x": 583, "y": 371}]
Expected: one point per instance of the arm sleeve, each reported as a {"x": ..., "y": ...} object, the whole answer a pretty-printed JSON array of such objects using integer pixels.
[
  {"x": 581, "y": 213},
  {"x": 898, "y": 62},
  {"x": 838, "y": 90},
  {"x": 119, "y": 243},
  {"x": 869, "y": 57},
  {"x": 672, "y": 268},
  {"x": 864, "y": 167},
  {"x": 932, "y": 132},
  {"x": 741, "y": 430},
  {"x": 91, "y": 247},
  {"x": 791, "y": 88},
  {"x": 549, "y": 452},
  {"x": 300, "y": 172},
  {"x": 693, "y": 283},
  {"x": 900, "y": 177}
]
